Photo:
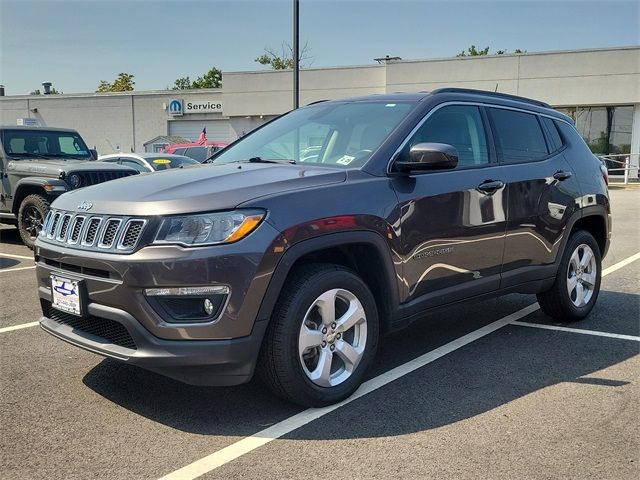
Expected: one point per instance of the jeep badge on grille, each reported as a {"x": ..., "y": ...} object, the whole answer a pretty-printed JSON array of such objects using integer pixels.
[{"x": 85, "y": 206}]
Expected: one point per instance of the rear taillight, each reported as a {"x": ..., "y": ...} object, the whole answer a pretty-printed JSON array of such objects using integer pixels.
[{"x": 605, "y": 173}]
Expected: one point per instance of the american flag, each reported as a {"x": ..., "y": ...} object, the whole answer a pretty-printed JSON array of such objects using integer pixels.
[{"x": 202, "y": 140}]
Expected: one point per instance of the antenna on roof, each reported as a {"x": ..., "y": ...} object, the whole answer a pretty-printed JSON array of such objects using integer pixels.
[{"x": 496, "y": 89}]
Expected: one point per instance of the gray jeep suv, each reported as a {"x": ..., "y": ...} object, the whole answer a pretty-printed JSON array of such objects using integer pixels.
[
  {"x": 292, "y": 264},
  {"x": 39, "y": 164}
]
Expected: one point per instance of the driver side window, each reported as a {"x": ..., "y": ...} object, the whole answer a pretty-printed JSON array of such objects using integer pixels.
[{"x": 460, "y": 126}]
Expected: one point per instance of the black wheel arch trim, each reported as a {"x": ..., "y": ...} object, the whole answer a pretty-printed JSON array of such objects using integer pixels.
[{"x": 323, "y": 242}]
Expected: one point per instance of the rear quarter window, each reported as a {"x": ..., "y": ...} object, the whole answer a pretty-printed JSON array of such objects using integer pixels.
[
  {"x": 550, "y": 125},
  {"x": 519, "y": 136}
]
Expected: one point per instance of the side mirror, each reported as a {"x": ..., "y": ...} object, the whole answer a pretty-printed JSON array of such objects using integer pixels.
[
  {"x": 430, "y": 156},
  {"x": 94, "y": 153}
]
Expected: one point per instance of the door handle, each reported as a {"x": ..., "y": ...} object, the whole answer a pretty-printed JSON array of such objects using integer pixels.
[
  {"x": 490, "y": 186},
  {"x": 561, "y": 175}
]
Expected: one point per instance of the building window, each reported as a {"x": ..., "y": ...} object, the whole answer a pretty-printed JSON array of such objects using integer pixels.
[{"x": 607, "y": 130}]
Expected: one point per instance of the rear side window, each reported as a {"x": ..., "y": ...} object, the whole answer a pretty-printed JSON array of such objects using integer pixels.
[
  {"x": 197, "y": 153},
  {"x": 519, "y": 136},
  {"x": 553, "y": 133},
  {"x": 179, "y": 151}
]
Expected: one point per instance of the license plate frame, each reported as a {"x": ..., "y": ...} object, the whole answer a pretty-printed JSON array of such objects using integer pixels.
[{"x": 66, "y": 295}]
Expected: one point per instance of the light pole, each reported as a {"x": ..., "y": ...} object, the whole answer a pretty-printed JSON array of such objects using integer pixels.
[{"x": 296, "y": 54}]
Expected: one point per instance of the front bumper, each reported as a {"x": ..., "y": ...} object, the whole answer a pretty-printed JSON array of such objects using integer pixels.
[{"x": 199, "y": 362}]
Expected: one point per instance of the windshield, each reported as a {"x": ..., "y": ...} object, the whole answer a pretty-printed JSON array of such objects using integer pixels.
[
  {"x": 173, "y": 161},
  {"x": 44, "y": 144},
  {"x": 337, "y": 134}
]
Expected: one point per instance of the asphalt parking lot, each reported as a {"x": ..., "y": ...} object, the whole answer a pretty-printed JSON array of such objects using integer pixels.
[{"x": 466, "y": 393}]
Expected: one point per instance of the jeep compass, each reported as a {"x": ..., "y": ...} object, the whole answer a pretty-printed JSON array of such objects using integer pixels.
[{"x": 301, "y": 243}]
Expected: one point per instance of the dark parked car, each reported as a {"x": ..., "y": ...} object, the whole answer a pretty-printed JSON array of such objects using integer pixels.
[
  {"x": 195, "y": 150},
  {"x": 37, "y": 165},
  {"x": 149, "y": 162},
  {"x": 260, "y": 261}
]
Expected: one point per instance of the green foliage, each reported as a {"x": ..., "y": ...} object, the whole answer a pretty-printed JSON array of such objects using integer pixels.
[
  {"x": 124, "y": 83},
  {"x": 282, "y": 60},
  {"x": 473, "y": 51},
  {"x": 183, "y": 83},
  {"x": 211, "y": 79}
]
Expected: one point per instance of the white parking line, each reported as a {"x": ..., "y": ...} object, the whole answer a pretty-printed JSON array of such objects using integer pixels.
[
  {"x": 248, "y": 444},
  {"x": 18, "y": 327},
  {"x": 16, "y": 269},
  {"x": 11, "y": 255},
  {"x": 577, "y": 330}
]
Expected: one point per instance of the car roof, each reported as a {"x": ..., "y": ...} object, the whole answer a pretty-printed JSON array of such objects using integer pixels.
[
  {"x": 460, "y": 94},
  {"x": 141, "y": 156},
  {"x": 41, "y": 129}
]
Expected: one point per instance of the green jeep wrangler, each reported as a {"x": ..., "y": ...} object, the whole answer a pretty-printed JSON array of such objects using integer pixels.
[{"x": 37, "y": 165}]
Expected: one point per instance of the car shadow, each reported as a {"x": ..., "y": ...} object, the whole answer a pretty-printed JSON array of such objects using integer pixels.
[
  {"x": 502, "y": 367},
  {"x": 8, "y": 262},
  {"x": 10, "y": 235}
]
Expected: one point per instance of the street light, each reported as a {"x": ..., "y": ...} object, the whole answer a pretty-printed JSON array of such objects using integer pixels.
[{"x": 296, "y": 54}]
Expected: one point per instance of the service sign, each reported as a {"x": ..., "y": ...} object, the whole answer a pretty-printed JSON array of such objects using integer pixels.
[{"x": 202, "y": 107}]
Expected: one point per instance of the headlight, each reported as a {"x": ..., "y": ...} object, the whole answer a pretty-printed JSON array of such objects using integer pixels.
[
  {"x": 74, "y": 180},
  {"x": 208, "y": 228}
]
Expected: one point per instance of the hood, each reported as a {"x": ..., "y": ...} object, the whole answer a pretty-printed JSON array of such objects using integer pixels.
[
  {"x": 200, "y": 188},
  {"x": 53, "y": 168}
]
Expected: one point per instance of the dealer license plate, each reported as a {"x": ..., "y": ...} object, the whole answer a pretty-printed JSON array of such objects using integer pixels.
[{"x": 65, "y": 294}]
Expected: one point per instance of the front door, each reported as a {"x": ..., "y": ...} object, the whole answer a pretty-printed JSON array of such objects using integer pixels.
[{"x": 453, "y": 221}]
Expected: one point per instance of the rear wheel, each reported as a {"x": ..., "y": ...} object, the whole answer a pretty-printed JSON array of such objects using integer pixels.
[
  {"x": 33, "y": 210},
  {"x": 577, "y": 283},
  {"x": 322, "y": 336}
]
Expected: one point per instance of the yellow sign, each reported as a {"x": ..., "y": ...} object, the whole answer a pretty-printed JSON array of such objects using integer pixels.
[{"x": 162, "y": 161}]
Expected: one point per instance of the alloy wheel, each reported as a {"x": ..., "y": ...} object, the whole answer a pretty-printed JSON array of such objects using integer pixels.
[{"x": 581, "y": 275}]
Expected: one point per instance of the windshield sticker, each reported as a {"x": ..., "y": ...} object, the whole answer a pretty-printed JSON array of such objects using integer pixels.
[
  {"x": 390, "y": 105},
  {"x": 161, "y": 161},
  {"x": 345, "y": 160}
]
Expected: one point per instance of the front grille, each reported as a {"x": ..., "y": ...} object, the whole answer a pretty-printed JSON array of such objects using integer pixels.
[
  {"x": 92, "y": 178},
  {"x": 106, "y": 330},
  {"x": 109, "y": 233},
  {"x": 95, "y": 232}
]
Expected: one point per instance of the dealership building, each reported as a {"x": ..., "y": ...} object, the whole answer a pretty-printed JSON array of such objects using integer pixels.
[{"x": 599, "y": 88}]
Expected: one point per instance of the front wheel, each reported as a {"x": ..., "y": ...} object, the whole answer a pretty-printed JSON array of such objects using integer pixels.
[
  {"x": 33, "y": 210},
  {"x": 577, "y": 282},
  {"x": 322, "y": 336}
]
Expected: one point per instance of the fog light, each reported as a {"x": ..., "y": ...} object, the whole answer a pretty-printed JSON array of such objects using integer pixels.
[{"x": 208, "y": 306}]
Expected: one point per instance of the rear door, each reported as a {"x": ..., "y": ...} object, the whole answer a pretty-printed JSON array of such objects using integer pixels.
[
  {"x": 453, "y": 221},
  {"x": 541, "y": 190}
]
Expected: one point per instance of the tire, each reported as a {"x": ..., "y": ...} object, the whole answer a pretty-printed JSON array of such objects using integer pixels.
[
  {"x": 577, "y": 283},
  {"x": 296, "y": 375},
  {"x": 31, "y": 214}
]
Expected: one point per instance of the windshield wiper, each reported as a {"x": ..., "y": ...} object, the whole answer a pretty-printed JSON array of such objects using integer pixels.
[
  {"x": 267, "y": 160},
  {"x": 27, "y": 155}
]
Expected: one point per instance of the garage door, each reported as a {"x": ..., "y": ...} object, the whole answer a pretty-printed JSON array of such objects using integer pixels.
[{"x": 217, "y": 130}]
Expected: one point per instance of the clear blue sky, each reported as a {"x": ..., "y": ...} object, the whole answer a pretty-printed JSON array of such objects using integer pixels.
[{"x": 75, "y": 44}]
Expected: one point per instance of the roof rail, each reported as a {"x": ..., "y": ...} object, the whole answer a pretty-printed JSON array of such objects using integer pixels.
[{"x": 506, "y": 96}]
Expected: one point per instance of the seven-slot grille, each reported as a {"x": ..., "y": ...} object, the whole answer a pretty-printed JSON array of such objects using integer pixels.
[
  {"x": 92, "y": 178},
  {"x": 93, "y": 232}
]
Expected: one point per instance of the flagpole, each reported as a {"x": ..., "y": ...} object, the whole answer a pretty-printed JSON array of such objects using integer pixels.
[{"x": 296, "y": 54}]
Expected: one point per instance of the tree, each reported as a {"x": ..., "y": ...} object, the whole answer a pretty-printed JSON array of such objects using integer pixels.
[
  {"x": 124, "y": 83},
  {"x": 472, "y": 51},
  {"x": 211, "y": 79},
  {"x": 284, "y": 59},
  {"x": 183, "y": 83}
]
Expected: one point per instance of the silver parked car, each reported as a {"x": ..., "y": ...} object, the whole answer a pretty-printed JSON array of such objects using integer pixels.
[{"x": 149, "y": 162}]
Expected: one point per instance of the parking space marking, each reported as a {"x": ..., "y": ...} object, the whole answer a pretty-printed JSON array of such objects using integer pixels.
[
  {"x": 11, "y": 255},
  {"x": 577, "y": 330},
  {"x": 248, "y": 444},
  {"x": 18, "y": 327},
  {"x": 620, "y": 264},
  {"x": 16, "y": 269}
]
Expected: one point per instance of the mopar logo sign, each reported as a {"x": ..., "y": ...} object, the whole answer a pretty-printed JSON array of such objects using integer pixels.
[{"x": 175, "y": 107}]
